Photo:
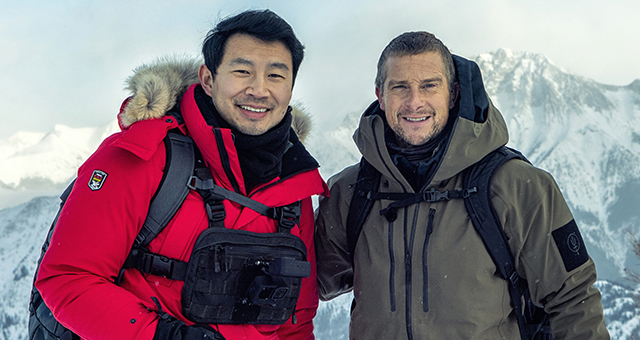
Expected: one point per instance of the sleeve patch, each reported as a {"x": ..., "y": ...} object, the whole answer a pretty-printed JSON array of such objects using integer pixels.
[
  {"x": 571, "y": 246},
  {"x": 97, "y": 179}
]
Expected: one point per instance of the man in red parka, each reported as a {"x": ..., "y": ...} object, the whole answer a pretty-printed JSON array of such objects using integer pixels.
[{"x": 236, "y": 109}]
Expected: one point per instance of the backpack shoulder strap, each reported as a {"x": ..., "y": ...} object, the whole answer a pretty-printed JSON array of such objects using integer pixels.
[
  {"x": 173, "y": 188},
  {"x": 171, "y": 193},
  {"x": 481, "y": 211},
  {"x": 361, "y": 203},
  {"x": 486, "y": 222}
]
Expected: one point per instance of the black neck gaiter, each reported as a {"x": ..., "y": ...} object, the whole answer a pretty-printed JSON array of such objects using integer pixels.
[
  {"x": 260, "y": 156},
  {"x": 416, "y": 163}
]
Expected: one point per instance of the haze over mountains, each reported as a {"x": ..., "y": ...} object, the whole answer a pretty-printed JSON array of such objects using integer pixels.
[{"x": 585, "y": 133}]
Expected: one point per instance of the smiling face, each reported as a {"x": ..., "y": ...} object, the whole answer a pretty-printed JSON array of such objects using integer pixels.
[
  {"x": 416, "y": 97},
  {"x": 253, "y": 84}
]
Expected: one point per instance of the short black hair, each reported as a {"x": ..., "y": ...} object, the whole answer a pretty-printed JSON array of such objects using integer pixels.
[
  {"x": 413, "y": 43},
  {"x": 262, "y": 24}
]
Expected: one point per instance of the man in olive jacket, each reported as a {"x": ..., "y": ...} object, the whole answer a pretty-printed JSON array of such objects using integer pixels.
[{"x": 426, "y": 274}]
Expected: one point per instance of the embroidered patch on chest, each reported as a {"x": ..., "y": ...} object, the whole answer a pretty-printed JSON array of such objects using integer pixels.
[
  {"x": 97, "y": 180},
  {"x": 571, "y": 246}
]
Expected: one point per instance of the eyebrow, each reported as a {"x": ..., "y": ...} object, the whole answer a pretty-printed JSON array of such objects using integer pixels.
[
  {"x": 424, "y": 81},
  {"x": 242, "y": 61},
  {"x": 279, "y": 65}
]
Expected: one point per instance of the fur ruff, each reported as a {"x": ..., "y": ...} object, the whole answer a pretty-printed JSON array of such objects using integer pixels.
[{"x": 155, "y": 88}]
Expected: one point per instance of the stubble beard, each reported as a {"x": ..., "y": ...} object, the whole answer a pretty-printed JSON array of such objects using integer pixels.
[{"x": 404, "y": 137}]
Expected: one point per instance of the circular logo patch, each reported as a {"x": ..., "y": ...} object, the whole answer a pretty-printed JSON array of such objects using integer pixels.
[{"x": 573, "y": 242}]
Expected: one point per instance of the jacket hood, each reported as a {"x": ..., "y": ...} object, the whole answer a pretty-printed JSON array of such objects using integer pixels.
[
  {"x": 156, "y": 87},
  {"x": 478, "y": 129}
]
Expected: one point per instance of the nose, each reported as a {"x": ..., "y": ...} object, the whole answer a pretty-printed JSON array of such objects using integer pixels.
[
  {"x": 258, "y": 87},
  {"x": 415, "y": 100}
]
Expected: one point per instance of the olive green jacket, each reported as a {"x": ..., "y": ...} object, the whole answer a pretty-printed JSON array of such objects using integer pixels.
[{"x": 411, "y": 285}]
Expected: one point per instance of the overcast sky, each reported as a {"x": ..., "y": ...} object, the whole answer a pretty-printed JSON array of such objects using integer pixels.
[{"x": 66, "y": 61}]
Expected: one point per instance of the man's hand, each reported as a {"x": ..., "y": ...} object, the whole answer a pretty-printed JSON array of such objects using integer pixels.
[{"x": 170, "y": 328}]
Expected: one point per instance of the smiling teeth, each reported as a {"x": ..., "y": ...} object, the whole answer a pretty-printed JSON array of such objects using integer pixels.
[
  {"x": 415, "y": 119},
  {"x": 248, "y": 108}
]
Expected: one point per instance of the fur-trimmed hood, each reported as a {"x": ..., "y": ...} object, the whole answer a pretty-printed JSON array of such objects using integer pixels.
[{"x": 156, "y": 87}]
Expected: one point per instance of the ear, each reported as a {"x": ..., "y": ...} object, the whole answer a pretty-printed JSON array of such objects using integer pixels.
[
  {"x": 453, "y": 96},
  {"x": 206, "y": 79},
  {"x": 380, "y": 98}
]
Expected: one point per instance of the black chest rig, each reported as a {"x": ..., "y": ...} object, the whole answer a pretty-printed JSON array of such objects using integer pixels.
[{"x": 232, "y": 276}]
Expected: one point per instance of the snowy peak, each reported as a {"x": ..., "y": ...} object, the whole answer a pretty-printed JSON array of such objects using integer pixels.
[
  {"x": 35, "y": 160},
  {"x": 533, "y": 92},
  {"x": 542, "y": 84}
]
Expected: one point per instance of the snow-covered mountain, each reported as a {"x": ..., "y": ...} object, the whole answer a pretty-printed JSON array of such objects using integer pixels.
[
  {"x": 23, "y": 230},
  {"x": 586, "y": 134},
  {"x": 34, "y": 163}
]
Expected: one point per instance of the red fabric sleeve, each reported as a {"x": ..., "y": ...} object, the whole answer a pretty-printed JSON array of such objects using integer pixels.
[{"x": 92, "y": 239}]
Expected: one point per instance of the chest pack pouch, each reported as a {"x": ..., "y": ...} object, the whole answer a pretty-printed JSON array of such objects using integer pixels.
[
  {"x": 242, "y": 277},
  {"x": 234, "y": 276}
]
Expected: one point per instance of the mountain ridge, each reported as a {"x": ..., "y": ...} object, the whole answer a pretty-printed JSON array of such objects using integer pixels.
[{"x": 586, "y": 134}]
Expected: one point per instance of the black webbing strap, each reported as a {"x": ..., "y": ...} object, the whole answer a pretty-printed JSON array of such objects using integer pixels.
[
  {"x": 212, "y": 201},
  {"x": 287, "y": 216},
  {"x": 172, "y": 190},
  {"x": 159, "y": 265},
  {"x": 406, "y": 199},
  {"x": 368, "y": 181},
  {"x": 365, "y": 193}
]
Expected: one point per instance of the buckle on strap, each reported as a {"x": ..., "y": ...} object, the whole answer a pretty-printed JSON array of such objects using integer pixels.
[
  {"x": 157, "y": 265},
  {"x": 434, "y": 196},
  {"x": 287, "y": 219},
  {"x": 287, "y": 216},
  {"x": 514, "y": 279},
  {"x": 468, "y": 191},
  {"x": 195, "y": 183},
  {"x": 215, "y": 210}
]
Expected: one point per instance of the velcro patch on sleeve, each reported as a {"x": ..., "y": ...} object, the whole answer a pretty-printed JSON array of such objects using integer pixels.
[{"x": 571, "y": 246}]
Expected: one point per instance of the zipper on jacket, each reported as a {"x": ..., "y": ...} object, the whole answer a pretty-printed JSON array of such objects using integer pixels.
[
  {"x": 408, "y": 246},
  {"x": 425, "y": 278},
  {"x": 224, "y": 157},
  {"x": 392, "y": 269}
]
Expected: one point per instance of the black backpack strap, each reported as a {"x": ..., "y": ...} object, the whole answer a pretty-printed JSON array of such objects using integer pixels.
[
  {"x": 362, "y": 201},
  {"x": 483, "y": 215},
  {"x": 406, "y": 199},
  {"x": 485, "y": 220},
  {"x": 366, "y": 192},
  {"x": 170, "y": 195},
  {"x": 173, "y": 187}
]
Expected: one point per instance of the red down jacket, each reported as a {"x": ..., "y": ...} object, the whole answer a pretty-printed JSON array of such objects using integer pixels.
[{"x": 96, "y": 229}]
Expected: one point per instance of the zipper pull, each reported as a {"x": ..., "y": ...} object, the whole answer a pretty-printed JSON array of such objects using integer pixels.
[
  {"x": 432, "y": 215},
  {"x": 294, "y": 318}
]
